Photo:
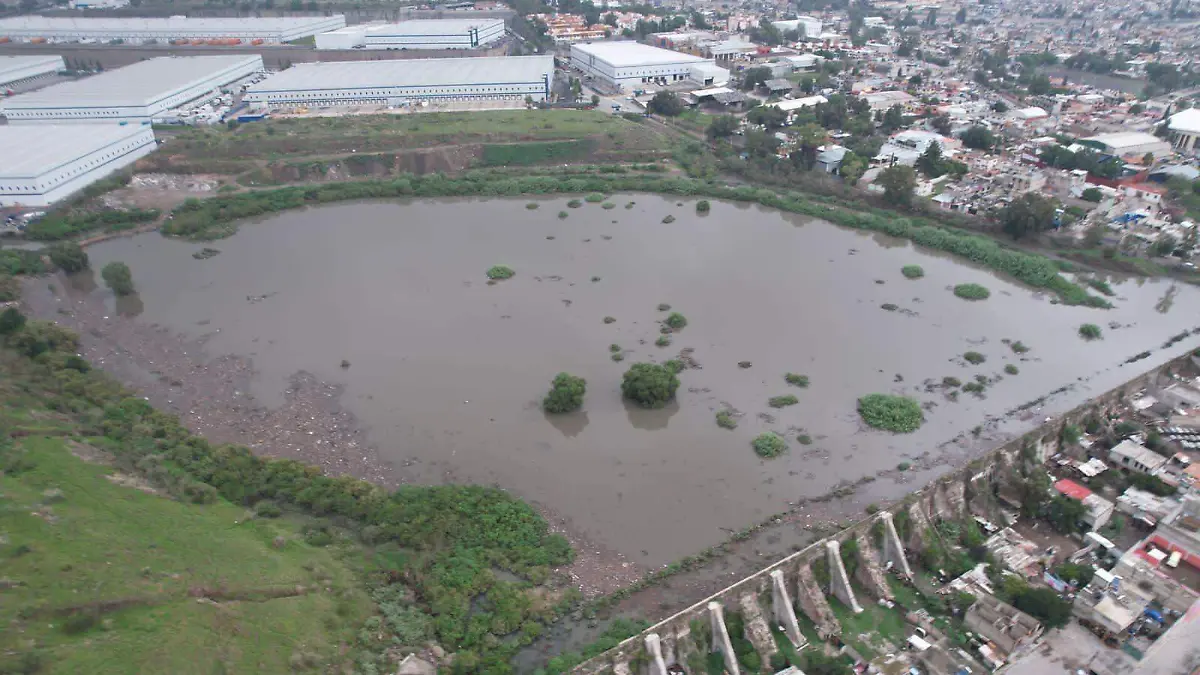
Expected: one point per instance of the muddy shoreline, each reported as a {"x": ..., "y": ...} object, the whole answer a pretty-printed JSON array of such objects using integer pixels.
[{"x": 212, "y": 396}]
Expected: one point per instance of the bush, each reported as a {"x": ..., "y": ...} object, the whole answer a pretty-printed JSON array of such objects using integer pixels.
[
  {"x": 1018, "y": 347},
  {"x": 782, "y": 401},
  {"x": 703, "y": 206},
  {"x": 500, "y": 272},
  {"x": 11, "y": 321},
  {"x": 614, "y": 348},
  {"x": 532, "y": 206},
  {"x": 1011, "y": 369},
  {"x": 118, "y": 277},
  {"x": 267, "y": 509},
  {"x": 664, "y": 307},
  {"x": 972, "y": 292},
  {"x": 649, "y": 385},
  {"x": 566, "y": 394},
  {"x": 610, "y": 319},
  {"x": 663, "y": 341},
  {"x": 769, "y": 444},
  {"x": 951, "y": 381},
  {"x": 974, "y": 358},
  {"x": 675, "y": 321},
  {"x": 562, "y": 214},
  {"x": 1091, "y": 195},
  {"x": 668, "y": 219},
  {"x": 594, "y": 198},
  {"x": 804, "y": 439},
  {"x": 796, "y": 380},
  {"x": 1089, "y": 331},
  {"x": 574, "y": 204},
  {"x": 726, "y": 420},
  {"x": 898, "y": 414},
  {"x": 68, "y": 257},
  {"x": 912, "y": 271}
]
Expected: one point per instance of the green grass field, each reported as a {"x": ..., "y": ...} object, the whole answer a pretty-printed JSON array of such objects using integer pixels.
[{"x": 101, "y": 577}]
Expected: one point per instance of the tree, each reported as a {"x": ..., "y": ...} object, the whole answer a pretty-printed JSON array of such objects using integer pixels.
[
  {"x": 898, "y": 183},
  {"x": 1091, "y": 195},
  {"x": 1028, "y": 214},
  {"x": 118, "y": 277},
  {"x": 769, "y": 116},
  {"x": 753, "y": 77},
  {"x": 649, "y": 385},
  {"x": 811, "y": 136},
  {"x": 595, "y": 100},
  {"x": 930, "y": 162},
  {"x": 761, "y": 144},
  {"x": 1000, "y": 107},
  {"x": 766, "y": 33},
  {"x": 68, "y": 257},
  {"x": 1148, "y": 159},
  {"x": 1065, "y": 514},
  {"x": 941, "y": 124},
  {"x": 1165, "y": 245},
  {"x": 978, "y": 137},
  {"x": 1039, "y": 85},
  {"x": 852, "y": 168},
  {"x": 665, "y": 103},
  {"x": 721, "y": 126},
  {"x": 566, "y": 394},
  {"x": 1044, "y": 604},
  {"x": 893, "y": 119},
  {"x": 11, "y": 321}
]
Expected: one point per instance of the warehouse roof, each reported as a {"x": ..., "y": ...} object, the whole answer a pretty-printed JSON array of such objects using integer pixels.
[
  {"x": 624, "y": 54},
  {"x": 430, "y": 26},
  {"x": 34, "y": 149},
  {"x": 1187, "y": 121},
  {"x": 138, "y": 84},
  {"x": 1124, "y": 139},
  {"x": 407, "y": 73},
  {"x": 137, "y": 24},
  {"x": 13, "y": 63}
]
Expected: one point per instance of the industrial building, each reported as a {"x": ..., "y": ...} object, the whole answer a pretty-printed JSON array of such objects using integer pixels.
[
  {"x": 43, "y": 163},
  {"x": 135, "y": 93},
  {"x": 415, "y": 34},
  {"x": 14, "y": 69},
  {"x": 176, "y": 29},
  {"x": 620, "y": 64},
  {"x": 1125, "y": 143},
  {"x": 807, "y": 26},
  {"x": 406, "y": 81}
]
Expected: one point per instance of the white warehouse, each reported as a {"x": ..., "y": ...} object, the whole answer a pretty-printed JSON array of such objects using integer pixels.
[
  {"x": 135, "y": 93},
  {"x": 139, "y": 30},
  {"x": 15, "y": 69},
  {"x": 43, "y": 163},
  {"x": 631, "y": 63},
  {"x": 407, "y": 80},
  {"x": 415, "y": 34}
]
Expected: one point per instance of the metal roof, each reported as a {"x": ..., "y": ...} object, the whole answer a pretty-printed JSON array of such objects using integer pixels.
[
  {"x": 407, "y": 73},
  {"x": 11, "y": 64},
  {"x": 134, "y": 85},
  {"x": 778, "y": 83},
  {"x": 428, "y": 27},
  {"x": 1187, "y": 121},
  {"x": 53, "y": 24},
  {"x": 33, "y": 149},
  {"x": 625, "y": 54}
]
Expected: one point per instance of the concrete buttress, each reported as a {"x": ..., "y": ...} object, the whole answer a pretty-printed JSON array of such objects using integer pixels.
[
  {"x": 658, "y": 666},
  {"x": 839, "y": 581},
  {"x": 893, "y": 549},
  {"x": 756, "y": 628},
  {"x": 720, "y": 638},
  {"x": 869, "y": 573},
  {"x": 782, "y": 610},
  {"x": 813, "y": 603}
]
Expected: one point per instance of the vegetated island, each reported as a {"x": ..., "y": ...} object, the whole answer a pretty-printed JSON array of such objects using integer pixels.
[{"x": 898, "y": 414}]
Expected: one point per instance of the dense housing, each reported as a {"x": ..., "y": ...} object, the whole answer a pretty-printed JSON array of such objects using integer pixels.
[
  {"x": 138, "y": 30},
  {"x": 415, "y": 34},
  {"x": 43, "y": 163},
  {"x": 399, "y": 82},
  {"x": 14, "y": 69},
  {"x": 629, "y": 63},
  {"x": 135, "y": 93}
]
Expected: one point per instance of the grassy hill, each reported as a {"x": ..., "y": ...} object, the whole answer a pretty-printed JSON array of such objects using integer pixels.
[{"x": 130, "y": 545}]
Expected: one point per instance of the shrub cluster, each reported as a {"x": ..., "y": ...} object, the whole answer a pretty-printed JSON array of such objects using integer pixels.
[
  {"x": 796, "y": 380},
  {"x": 566, "y": 394},
  {"x": 912, "y": 271},
  {"x": 1089, "y": 331},
  {"x": 898, "y": 414},
  {"x": 649, "y": 385},
  {"x": 769, "y": 444},
  {"x": 500, "y": 272},
  {"x": 972, "y": 292}
]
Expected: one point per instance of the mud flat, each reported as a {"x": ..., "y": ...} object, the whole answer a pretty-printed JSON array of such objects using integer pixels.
[{"x": 446, "y": 371}]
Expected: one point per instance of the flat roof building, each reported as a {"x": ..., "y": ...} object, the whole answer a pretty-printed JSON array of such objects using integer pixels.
[
  {"x": 620, "y": 64},
  {"x": 1185, "y": 126},
  {"x": 1130, "y": 143},
  {"x": 138, "y": 30},
  {"x": 43, "y": 163},
  {"x": 135, "y": 93},
  {"x": 398, "y": 82},
  {"x": 416, "y": 34},
  {"x": 1136, "y": 457},
  {"x": 14, "y": 69}
]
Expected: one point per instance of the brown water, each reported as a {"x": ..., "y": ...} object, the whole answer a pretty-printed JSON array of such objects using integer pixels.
[{"x": 448, "y": 371}]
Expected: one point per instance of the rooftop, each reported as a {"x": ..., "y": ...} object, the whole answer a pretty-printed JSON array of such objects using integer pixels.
[
  {"x": 1072, "y": 489},
  {"x": 428, "y": 27},
  {"x": 624, "y": 54},
  {"x": 407, "y": 73},
  {"x": 1139, "y": 452},
  {"x": 1187, "y": 121},
  {"x": 174, "y": 23},
  {"x": 1124, "y": 139},
  {"x": 138, "y": 84},
  {"x": 13, "y": 63},
  {"x": 34, "y": 149}
]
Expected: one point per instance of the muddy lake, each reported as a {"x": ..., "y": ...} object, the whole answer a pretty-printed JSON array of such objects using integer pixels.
[{"x": 447, "y": 372}]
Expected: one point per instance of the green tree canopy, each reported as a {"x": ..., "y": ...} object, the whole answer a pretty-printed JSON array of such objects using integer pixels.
[
  {"x": 722, "y": 126},
  {"x": 118, "y": 277},
  {"x": 898, "y": 183},
  {"x": 1028, "y": 214},
  {"x": 665, "y": 103},
  {"x": 566, "y": 394},
  {"x": 650, "y": 385},
  {"x": 978, "y": 137},
  {"x": 68, "y": 257}
]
